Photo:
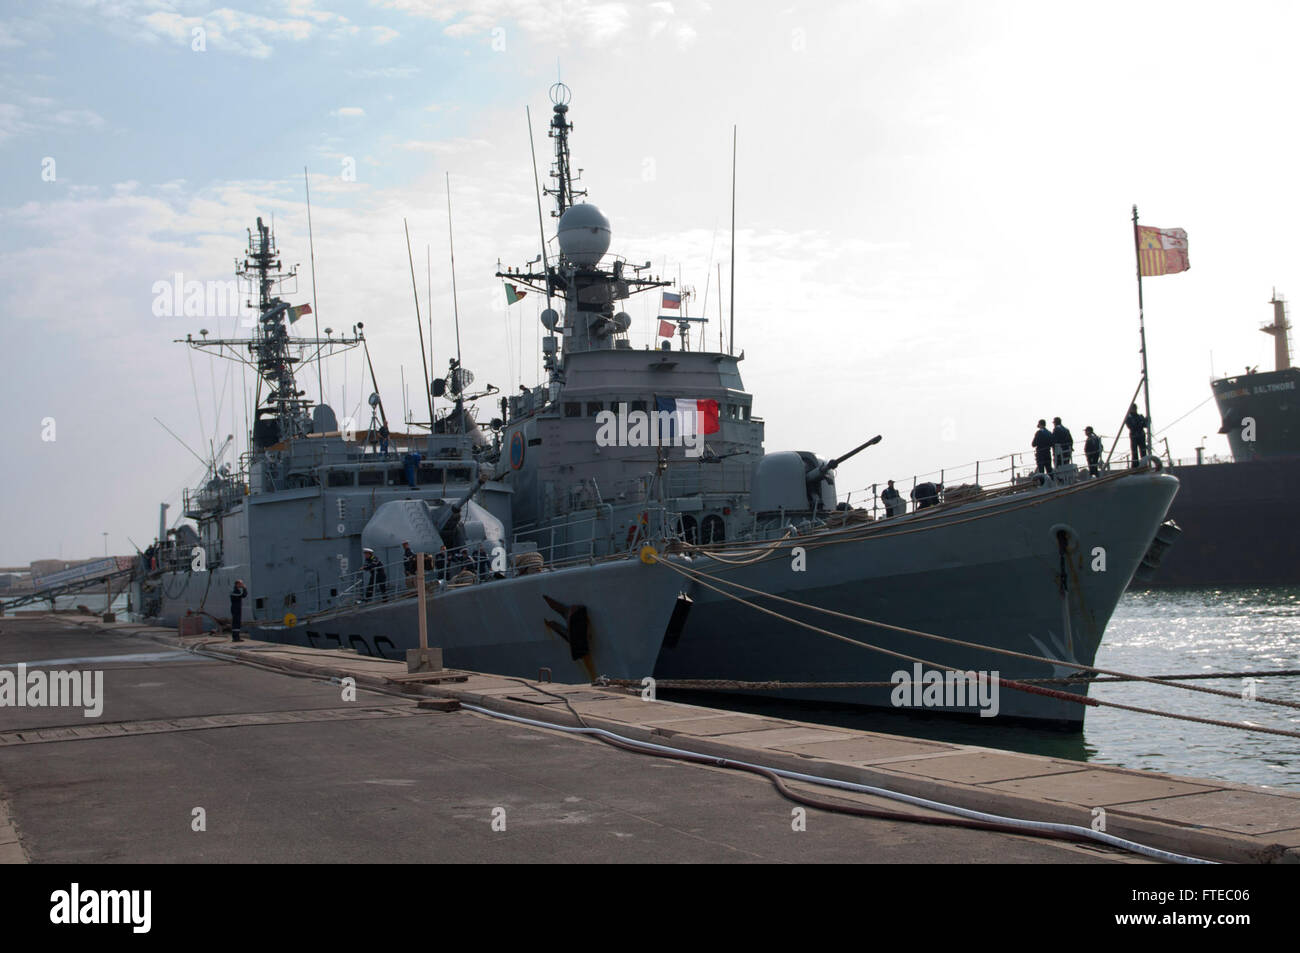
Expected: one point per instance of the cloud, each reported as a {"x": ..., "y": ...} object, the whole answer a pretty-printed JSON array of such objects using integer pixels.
[
  {"x": 79, "y": 118},
  {"x": 12, "y": 122},
  {"x": 8, "y": 38},
  {"x": 385, "y": 72},
  {"x": 16, "y": 121},
  {"x": 348, "y": 111},
  {"x": 224, "y": 30},
  {"x": 588, "y": 23},
  {"x": 446, "y": 146}
]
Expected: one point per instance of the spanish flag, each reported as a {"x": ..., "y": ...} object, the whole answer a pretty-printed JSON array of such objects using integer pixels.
[{"x": 1161, "y": 251}]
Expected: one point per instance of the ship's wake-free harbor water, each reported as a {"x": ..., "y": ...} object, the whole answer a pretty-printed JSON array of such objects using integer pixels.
[{"x": 1178, "y": 631}]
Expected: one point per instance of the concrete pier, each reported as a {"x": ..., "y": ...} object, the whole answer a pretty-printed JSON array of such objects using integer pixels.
[{"x": 261, "y": 752}]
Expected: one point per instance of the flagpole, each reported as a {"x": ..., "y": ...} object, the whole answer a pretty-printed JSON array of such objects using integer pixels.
[
  {"x": 1142, "y": 331},
  {"x": 731, "y": 336}
]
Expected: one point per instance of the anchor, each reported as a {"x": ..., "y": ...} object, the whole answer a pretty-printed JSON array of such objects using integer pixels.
[{"x": 573, "y": 630}]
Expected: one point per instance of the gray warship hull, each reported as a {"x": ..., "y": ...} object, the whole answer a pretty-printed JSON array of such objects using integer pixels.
[
  {"x": 988, "y": 572},
  {"x": 498, "y": 627}
]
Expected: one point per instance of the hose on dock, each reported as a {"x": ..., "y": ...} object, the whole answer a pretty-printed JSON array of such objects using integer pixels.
[{"x": 962, "y": 817}]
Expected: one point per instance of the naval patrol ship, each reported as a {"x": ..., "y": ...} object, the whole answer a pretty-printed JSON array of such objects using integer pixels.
[
  {"x": 616, "y": 437},
  {"x": 316, "y": 518}
]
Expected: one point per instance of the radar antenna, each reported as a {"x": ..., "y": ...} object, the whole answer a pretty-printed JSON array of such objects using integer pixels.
[{"x": 565, "y": 190}]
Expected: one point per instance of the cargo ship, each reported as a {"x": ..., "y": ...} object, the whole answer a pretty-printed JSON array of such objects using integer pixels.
[{"x": 1240, "y": 519}]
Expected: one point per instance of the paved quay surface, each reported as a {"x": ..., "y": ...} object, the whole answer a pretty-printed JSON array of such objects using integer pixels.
[{"x": 286, "y": 770}]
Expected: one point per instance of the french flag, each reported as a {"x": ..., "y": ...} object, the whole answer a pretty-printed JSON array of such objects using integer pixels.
[
  {"x": 672, "y": 302},
  {"x": 689, "y": 416}
]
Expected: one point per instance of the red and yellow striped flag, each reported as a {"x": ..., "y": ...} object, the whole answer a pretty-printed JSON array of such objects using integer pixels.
[{"x": 1161, "y": 251}]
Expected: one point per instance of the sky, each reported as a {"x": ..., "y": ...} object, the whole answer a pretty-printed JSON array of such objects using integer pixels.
[{"x": 934, "y": 236}]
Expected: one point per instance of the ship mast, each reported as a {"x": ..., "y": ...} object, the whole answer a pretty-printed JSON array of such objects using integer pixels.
[
  {"x": 1280, "y": 329},
  {"x": 272, "y": 352},
  {"x": 589, "y": 318},
  {"x": 565, "y": 190}
]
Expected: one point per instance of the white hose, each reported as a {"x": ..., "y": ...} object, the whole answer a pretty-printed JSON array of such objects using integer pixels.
[{"x": 1027, "y": 825}]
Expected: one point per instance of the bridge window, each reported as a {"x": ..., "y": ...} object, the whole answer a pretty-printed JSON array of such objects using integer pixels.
[
  {"x": 637, "y": 405},
  {"x": 370, "y": 477},
  {"x": 341, "y": 478},
  {"x": 594, "y": 407},
  {"x": 572, "y": 409}
]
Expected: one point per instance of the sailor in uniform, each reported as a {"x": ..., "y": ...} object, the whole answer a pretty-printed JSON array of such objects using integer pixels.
[
  {"x": 1092, "y": 451},
  {"x": 1042, "y": 444}
]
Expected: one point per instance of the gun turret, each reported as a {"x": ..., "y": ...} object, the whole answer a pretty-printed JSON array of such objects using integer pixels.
[
  {"x": 819, "y": 472},
  {"x": 449, "y": 516}
]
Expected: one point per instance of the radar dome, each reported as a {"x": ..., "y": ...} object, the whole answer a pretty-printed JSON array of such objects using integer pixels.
[{"x": 584, "y": 235}]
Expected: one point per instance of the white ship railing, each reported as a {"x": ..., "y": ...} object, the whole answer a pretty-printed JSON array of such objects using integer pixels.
[{"x": 981, "y": 479}]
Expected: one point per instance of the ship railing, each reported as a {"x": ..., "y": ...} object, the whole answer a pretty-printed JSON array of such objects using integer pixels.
[
  {"x": 589, "y": 493},
  {"x": 981, "y": 479},
  {"x": 172, "y": 557},
  {"x": 456, "y": 569},
  {"x": 206, "y": 500}
]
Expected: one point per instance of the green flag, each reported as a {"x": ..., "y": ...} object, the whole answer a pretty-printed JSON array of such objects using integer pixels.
[{"x": 513, "y": 294}]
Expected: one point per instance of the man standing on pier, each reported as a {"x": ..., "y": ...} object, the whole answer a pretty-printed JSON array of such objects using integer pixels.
[
  {"x": 1042, "y": 444},
  {"x": 237, "y": 597}
]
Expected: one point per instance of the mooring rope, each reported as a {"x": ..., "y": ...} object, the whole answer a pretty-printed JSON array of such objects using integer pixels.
[
  {"x": 1010, "y": 683},
  {"x": 699, "y": 575}
]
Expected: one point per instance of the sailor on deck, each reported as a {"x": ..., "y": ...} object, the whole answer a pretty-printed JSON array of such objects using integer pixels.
[
  {"x": 1062, "y": 443},
  {"x": 1092, "y": 450},
  {"x": 1042, "y": 444},
  {"x": 376, "y": 577},
  {"x": 1137, "y": 435},
  {"x": 893, "y": 500}
]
